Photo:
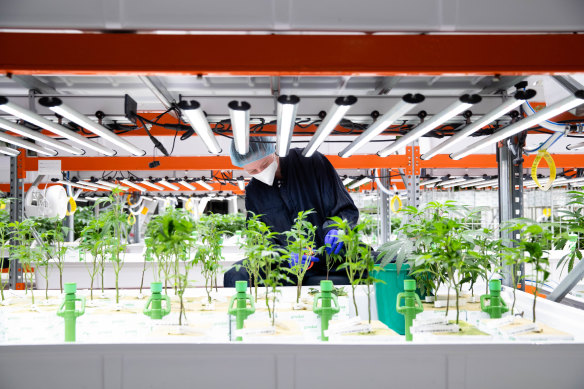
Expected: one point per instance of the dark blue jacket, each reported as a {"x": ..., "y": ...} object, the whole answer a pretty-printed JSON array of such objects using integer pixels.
[{"x": 307, "y": 183}]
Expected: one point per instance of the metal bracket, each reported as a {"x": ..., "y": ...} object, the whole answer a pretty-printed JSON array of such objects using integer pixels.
[
  {"x": 16, "y": 190},
  {"x": 412, "y": 176},
  {"x": 383, "y": 211}
]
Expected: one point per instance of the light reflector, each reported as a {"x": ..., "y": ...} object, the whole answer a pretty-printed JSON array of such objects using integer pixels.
[{"x": 239, "y": 113}]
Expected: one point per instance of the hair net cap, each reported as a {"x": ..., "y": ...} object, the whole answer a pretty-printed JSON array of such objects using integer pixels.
[{"x": 259, "y": 147}]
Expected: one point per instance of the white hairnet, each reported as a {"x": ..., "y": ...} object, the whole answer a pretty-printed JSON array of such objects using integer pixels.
[{"x": 259, "y": 147}]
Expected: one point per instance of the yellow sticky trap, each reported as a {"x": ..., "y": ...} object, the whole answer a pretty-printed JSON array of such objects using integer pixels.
[
  {"x": 144, "y": 211},
  {"x": 131, "y": 219},
  {"x": 547, "y": 212},
  {"x": 2, "y": 206},
  {"x": 395, "y": 199},
  {"x": 72, "y": 207},
  {"x": 543, "y": 154}
]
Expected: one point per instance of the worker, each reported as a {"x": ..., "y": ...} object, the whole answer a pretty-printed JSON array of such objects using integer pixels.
[{"x": 283, "y": 186}]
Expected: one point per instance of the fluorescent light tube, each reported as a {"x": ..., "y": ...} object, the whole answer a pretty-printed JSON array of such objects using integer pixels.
[
  {"x": 112, "y": 185},
  {"x": 196, "y": 118},
  {"x": 76, "y": 185},
  {"x": 406, "y": 103},
  {"x": 133, "y": 185},
  {"x": 96, "y": 186},
  {"x": 362, "y": 181},
  {"x": 331, "y": 120},
  {"x": 546, "y": 113},
  {"x": 8, "y": 151},
  {"x": 26, "y": 144},
  {"x": 287, "y": 107},
  {"x": 58, "y": 129},
  {"x": 168, "y": 185},
  {"x": 187, "y": 185},
  {"x": 39, "y": 137},
  {"x": 468, "y": 183},
  {"x": 464, "y": 102},
  {"x": 56, "y": 105},
  {"x": 493, "y": 182},
  {"x": 152, "y": 185},
  {"x": 519, "y": 98},
  {"x": 204, "y": 185},
  {"x": 241, "y": 183},
  {"x": 452, "y": 181},
  {"x": 239, "y": 113},
  {"x": 431, "y": 181},
  {"x": 347, "y": 181}
]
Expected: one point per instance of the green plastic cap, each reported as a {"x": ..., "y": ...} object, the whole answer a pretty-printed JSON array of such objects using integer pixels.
[
  {"x": 240, "y": 286},
  {"x": 71, "y": 287},
  {"x": 495, "y": 285},
  {"x": 156, "y": 287},
  {"x": 409, "y": 285},
  {"x": 326, "y": 286}
]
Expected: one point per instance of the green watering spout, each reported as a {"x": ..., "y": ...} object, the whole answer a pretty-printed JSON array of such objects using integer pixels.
[
  {"x": 412, "y": 305},
  {"x": 241, "y": 311},
  {"x": 153, "y": 307},
  {"x": 67, "y": 310},
  {"x": 497, "y": 306},
  {"x": 326, "y": 311}
]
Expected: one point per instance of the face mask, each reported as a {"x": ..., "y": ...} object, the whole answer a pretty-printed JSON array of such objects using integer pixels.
[{"x": 268, "y": 174}]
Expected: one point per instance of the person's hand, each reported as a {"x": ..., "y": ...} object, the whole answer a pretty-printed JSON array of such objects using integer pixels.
[
  {"x": 293, "y": 261},
  {"x": 332, "y": 242}
]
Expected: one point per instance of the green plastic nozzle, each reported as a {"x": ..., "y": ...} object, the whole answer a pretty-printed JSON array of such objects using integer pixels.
[
  {"x": 496, "y": 306},
  {"x": 68, "y": 311},
  {"x": 241, "y": 311},
  {"x": 329, "y": 306},
  {"x": 495, "y": 285},
  {"x": 153, "y": 308},
  {"x": 412, "y": 306}
]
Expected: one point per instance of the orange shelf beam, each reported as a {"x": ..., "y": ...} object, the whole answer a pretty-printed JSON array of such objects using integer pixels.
[{"x": 426, "y": 54}]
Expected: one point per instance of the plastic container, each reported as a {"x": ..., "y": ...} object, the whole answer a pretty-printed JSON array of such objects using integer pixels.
[{"x": 386, "y": 295}]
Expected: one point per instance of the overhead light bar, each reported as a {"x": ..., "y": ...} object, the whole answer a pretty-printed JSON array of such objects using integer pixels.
[
  {"x": 56, "y": 105},
  {"x": 58, "y": 129},
  {"x": 39, "y": 137},
  {"x": 406, "y": 103},
  {"x": 26, "y": 144},
  {"x": 187, "y": 185},
  {"x": 471, "y": 182},
  {"x": 546, "y": 113},
  {"x": 95, "y": 185},
  {"x": 239, "y": 113},
  {"x": 204, "y": 185},
  {"x": 287, "y": 107},
  {"x": 241, "y": 183},
  {"x": 112, "y": 185},
  {"x": 431, "y": 181},
  {"x": 464, "y": 102},
  {"x": 331, "y": 120},
  {"x": 196, "y": 118},
  {"x": 168, "y": 185},
  {"x": 519, "y": 98},
  {"x": 152, "y": 185},
  {"x": 8, "y": 151},
  {"x": 133, "y": 185},
  {"x": 76, "y": 185},
  {"x": 452, "y": 181},
  {"x": 347, "y": 181},
  {"x": 493, "y": 182},
  {"x": 360, "y": 182}
]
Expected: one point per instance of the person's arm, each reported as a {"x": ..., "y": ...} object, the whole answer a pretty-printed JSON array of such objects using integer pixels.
[{"x": 335, "y": 197}]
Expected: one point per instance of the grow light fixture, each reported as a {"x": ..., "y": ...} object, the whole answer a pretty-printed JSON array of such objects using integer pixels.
[
  {"x": 406, "y": 103},
  {"x": 168, "y": 185},
  {"x": 493, "y": 182},
  {"x": 468, "y": 183},
  {"x": 331, "y": 120},
  {"x": 133, "y": 185},
  {"x": 464, "y": 102},
  {"x": 152, "y": 185},
  {"x": 58, "y": 129},
  {"x": 239, "y": 113},
  {"x": 548, "y": 112},
  {"x": 431, "y": 181},
  {"x": 56, "y": 105},
  {"x": 204, "y": 185},
  {"x": 76, "y": 185},
  {"x": 287, "y": 107},
  {"x": 360, "y": 182},
  {"x": 39, "y": 137},
  {"x": 452, "y": 181},
  {"x": 519, "y": 98},
  {"x": 26, "y": 144},
  {"x": 8, "y": 151},
  {"x": 196, "y": 118},
  {"x": 187, "y": 185},
  {"x": 95, "y": 185},
  {"x": 241, "y": 183},
  {"x": 159, "y": 198},
  {"x": 112, "y": 185}
]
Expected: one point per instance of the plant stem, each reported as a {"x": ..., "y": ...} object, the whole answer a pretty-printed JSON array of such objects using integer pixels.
[
  {"x": 457, "y": 307},
  {"x": 369, "y": 301},
  {"x": 355, "y": 301},
  {"x": 142, "y": 281},
  {"x": 447, "y": 299}
]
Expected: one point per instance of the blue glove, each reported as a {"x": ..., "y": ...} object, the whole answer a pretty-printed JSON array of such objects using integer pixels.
[
  {"x": 293, "y": 261},
  {"x": 332, "y": 242}
]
